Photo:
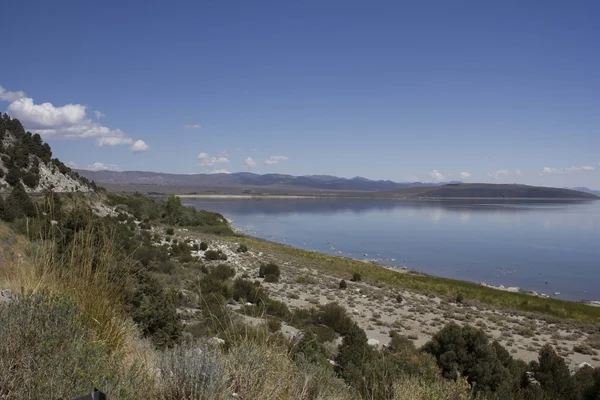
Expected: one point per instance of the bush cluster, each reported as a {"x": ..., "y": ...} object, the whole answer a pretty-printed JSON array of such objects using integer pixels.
[{"x": 270, "y": 272}]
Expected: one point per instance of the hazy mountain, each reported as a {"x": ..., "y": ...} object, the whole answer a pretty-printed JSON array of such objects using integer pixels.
[
  {"x": 587, "y": 190},
  {"x": 247, "y": 180},
  {"x": 488, "y": 190}
]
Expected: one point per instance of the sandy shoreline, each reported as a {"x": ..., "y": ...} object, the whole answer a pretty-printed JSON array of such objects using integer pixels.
[{"x": 379, "y": 308}]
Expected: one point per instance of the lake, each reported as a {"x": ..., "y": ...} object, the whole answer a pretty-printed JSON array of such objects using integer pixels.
[{"x": 543, "y": 246}]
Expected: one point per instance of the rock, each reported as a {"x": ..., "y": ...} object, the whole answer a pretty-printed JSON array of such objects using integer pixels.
[
  {"x": 5, "y": 295},
  {"x": 216, "y": 340},
  {"x": 373, "y": 342},
  {"x": 581, "y": 366},
  {"x": 531, "y": 378}
]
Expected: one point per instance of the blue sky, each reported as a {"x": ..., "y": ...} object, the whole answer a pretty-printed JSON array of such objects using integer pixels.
[{"x": 504, "y": 91}]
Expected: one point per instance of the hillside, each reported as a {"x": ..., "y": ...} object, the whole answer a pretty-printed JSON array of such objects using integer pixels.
[
  {"x": 499, "y": 191},
  {"x": 165, "y": 300},
  {"x": 26, "y": 160}
]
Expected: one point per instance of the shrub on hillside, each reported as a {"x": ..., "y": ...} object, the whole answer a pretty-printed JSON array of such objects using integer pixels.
[
  {"x": 190, "y": 372},
  {"x": 222, "y": 272},
  {"x": 19, "y": 204},
  {"x": 13, "y": 177},
  {"x": 466, "y": 351},
  {"x": 214, "y": 255},
  {"x": 356, "y": 277},
  {"x": 269, "y": 269},
  {"x": 170, "y": 231},
  {"x": 242, "y": 248},
  {"x": 554, "y": 377},
  {"x": 247, "y": 290},
  {"x": 153, "y": 309},
  {"x": 203, "y": 246},
  {"x": 343, "y": 284},
  {"x": 271, "y": 278},
  {"x": 335, "y": 316},
  {"x": 47, "y": 352},
  {"x": 31, "y": 179}
]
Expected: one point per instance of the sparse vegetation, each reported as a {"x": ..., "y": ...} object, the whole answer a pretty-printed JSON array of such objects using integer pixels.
[
  {"x": 92, "y": 284},
  {"x": 242, "y": 248}
]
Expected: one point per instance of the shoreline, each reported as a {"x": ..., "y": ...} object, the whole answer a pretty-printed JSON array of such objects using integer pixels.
[
  {"x": 415, "y": 272},
  {"x": 366, "y": 197}
]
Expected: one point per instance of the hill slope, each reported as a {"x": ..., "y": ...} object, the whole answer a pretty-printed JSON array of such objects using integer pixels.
[
  {"x": 26, "y": 160},
  {"x": 486, "y": 190}
]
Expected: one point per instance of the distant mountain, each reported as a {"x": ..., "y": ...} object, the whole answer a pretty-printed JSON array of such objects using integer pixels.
[
  {"x": 247, "y": 180},
  {"x": 499, "y": 191},
  {"x": 587, "y": 190}
]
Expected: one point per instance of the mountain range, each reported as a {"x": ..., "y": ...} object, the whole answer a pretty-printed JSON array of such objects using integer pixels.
[
  {"x": 321, "y": 185},
  {"x": 249, "y": 180}
]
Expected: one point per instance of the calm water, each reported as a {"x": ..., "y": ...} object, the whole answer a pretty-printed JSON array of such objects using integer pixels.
[{"x": 543, "y": 246}]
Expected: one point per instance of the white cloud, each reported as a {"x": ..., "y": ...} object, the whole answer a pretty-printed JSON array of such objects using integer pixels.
[
  {"x": 465, "y": 175},
  {"x": 275, "y": 160},
  {"x": 570, "y": 170},
  {"x": 72, "y": 164},
  {"x": 69, "y": 121},
  {"x": 205, "y": 160},
  {"x": 11, "y": 96},
  {"x": 250, "y": 163},
  {"x": 100, "y": 166},
  {"x": 220, "y": 171},
  {"x": 113, "y": 141},
  {"x": 192, "y": 126},
  {"x": 504, "y": 173},
  {"x": 436, "y": 175},
  {"x": 138, "y": 146}
]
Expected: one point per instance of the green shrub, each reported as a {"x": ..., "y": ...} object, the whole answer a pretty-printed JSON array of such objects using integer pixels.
[
  {"x": 356, "y": 277},
  {"x": 343, "y": 284},
  {"x": 334, "y": 316},
  {"x": 153, "y": 309},
  {"x": 271, "y": 278},
  {"x": 203, "y": 246},
  {"x": 310, "y": 349},
  {"x": 214, "y": 255},
  {"x": 277, "y": 308},
  {"x": 460, "y": 298},
  {"x": 47, "y": 352},
  {"x": 554, "y": 377},
  {"x": 242, "y": 248},
  {"x": 399, "y": 299},
  {"x": 170, "y": 231},
  {"x": 244, "y": 289},
  {"x": 186, "y": 258},
  {"x": 323, "y": 333},
  {"x": 274, "y": 324},
  {"x": 31, "y": 179},
  {"x": 269, "y": 269},
  {"x": 466, "y": 351},
  {"x": 222, "y": 272},
  {"x": 13, "y": 177}
]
